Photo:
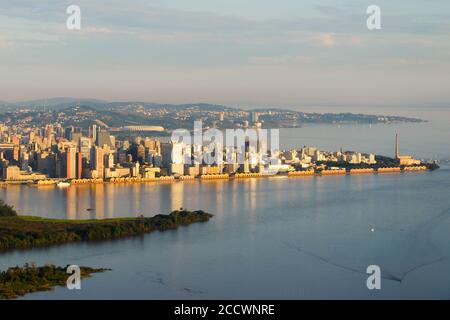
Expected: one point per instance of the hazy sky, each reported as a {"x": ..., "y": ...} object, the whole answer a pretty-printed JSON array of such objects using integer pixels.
[{"x": 235, "y": 52}]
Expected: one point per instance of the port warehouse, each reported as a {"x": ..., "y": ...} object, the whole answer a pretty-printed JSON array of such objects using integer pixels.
[{"x": 327, "y": 172}]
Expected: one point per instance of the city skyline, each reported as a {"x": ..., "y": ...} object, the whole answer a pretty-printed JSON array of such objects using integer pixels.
[{"x": 257, "y": 53}]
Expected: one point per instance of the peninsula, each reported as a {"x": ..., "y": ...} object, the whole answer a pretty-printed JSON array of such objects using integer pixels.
[
  {"x": 18, "y": 281},
  {"x": 23, "y": 232}
]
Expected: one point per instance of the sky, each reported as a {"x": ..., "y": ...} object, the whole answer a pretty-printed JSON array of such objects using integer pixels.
[{"x": 283, "y": 53}]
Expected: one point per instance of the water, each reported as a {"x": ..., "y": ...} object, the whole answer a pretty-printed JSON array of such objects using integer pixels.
[{"x": 281, "y": 237}]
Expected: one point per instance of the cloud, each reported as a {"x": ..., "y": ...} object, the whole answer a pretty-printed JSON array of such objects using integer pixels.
[
  {"x": 6, "y": 43},
  {"x": 410, "y": 62},
  {"x": 276, "y": 54},
  {"x": 281, "y": 60},
  {"x": 96, "y": 30},
  {"x": 327, "y": 39}
]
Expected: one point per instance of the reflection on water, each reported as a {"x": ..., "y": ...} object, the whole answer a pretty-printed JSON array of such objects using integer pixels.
[
  {"x": 302, "y": 237},
  {"x": 102, "y": 201}
]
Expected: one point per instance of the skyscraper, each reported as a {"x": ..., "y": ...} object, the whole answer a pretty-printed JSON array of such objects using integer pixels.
[
  {"x": 396, "y": 147},
  {"x": 68, "y": 163},
  {"x": 84, "y": 145},
  {"x": 79, "y": 164},
  {"x": 93, "y": 133},
  {"x": 103, "y": 137},
  {"x": 96, "y": 162}
]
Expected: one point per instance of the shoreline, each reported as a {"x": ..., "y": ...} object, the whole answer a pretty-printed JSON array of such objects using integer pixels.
[
  {"x": 18, "y": 281},
  {"x": 223, "y": 176},
  {"x": 27, "y": 232}
]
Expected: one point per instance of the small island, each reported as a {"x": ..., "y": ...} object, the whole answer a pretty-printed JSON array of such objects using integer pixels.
[
  {"x": 18, "y": 281},
  {"x": 23, "y": 232}
]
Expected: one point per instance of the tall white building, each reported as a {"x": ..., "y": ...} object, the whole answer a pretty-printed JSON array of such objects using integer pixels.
[{"x": 172, "y": 153}]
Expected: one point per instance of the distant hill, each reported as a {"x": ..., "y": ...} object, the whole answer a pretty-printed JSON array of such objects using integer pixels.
[
  {"x": 59, "y": 102},
  {"x": 85, "y": 112}
]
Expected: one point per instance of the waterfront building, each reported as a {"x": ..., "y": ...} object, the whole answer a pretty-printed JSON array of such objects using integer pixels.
[
  {"x": 318, "y": 156},
  {"x": 192, "y": 170},
  {"x": 244, "y": 167},
  {"x": 172, "y": 153},
  {"x": 208, "y": 169},
  {"x": 231, "y": 168},
  {"x": 11, "y": 172},
  {"x": 46, "y": 163},
  {"x": 176, "y": 169},
  {"x": 149, "y": 172},
  {"x": 109, "y": 160},
  {"x": 354, "y": 158},
  {"x": 96, "y": 163},
  {"x": 79, "y": 165},
  {"x": 68, "y": 163},
  {"x": 405, "y": 160}
]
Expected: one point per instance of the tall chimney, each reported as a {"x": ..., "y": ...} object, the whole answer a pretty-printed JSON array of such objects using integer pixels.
[{"x": 396, "y": 146}]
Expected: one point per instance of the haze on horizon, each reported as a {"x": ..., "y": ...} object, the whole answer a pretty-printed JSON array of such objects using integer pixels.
[{"x": 253, "y": 53}]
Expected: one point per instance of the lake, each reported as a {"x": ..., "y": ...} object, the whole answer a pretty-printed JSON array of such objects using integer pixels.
[{"x": 286, "y": 238}]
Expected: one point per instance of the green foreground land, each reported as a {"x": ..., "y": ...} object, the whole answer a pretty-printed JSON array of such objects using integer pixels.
[
  {"x": 24, "y": 232},
  {"x": 18, "y": 281}
]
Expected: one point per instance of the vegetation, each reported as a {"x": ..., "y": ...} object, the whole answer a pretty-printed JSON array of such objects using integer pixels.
[
  {"x": 382, "y": 162},
  {"x": 6, "y": 210},
  {"x": 118, "y": 114},
  {"x": 28, "y": 232},
  {"x": 18, "y": 281}
]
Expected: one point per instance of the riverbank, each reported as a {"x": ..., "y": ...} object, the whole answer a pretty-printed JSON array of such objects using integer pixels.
[
  {"x": 19, "y": 281},
  {"x": 225, "y": 176},
  {"x": 23, "y": 232}
]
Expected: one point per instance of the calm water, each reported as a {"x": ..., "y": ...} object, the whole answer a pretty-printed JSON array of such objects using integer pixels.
[{"x": 270, "y": 238}]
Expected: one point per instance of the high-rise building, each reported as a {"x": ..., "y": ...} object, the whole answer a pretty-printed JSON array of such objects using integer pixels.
[
  {"x": 109, "y": 160},
  {"x": 172, "y": 153},
  {"x": 96, "y": 162},
  {"x": 254, "y": 116},
  {"x": 140, "y": 153},
  {"x": 79, "y": 164},
  {"x": 76, "y": 136},
  {"x": 153, "y": 145},
  {"x": 67, "y": 132},
  {"x": 93, "y": 132},
  {"x": 397, "y": 155},
  {"x": 68, "y": 163},
  {"x": 84, "y": 145},
  {"x": 103, "y": 137}
]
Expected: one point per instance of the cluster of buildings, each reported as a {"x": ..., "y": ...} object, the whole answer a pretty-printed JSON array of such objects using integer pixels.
[
  {"x": 54, "y": 151},
  {"x": 70, "y": 153},
  {"x": 309, "y": 156}
]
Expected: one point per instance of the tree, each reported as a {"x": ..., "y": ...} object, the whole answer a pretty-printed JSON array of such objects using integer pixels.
[{"x": 7, "y": 210}]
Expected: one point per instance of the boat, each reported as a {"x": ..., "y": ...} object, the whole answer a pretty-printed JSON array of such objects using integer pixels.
[{"x": 63, "y": 184}]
